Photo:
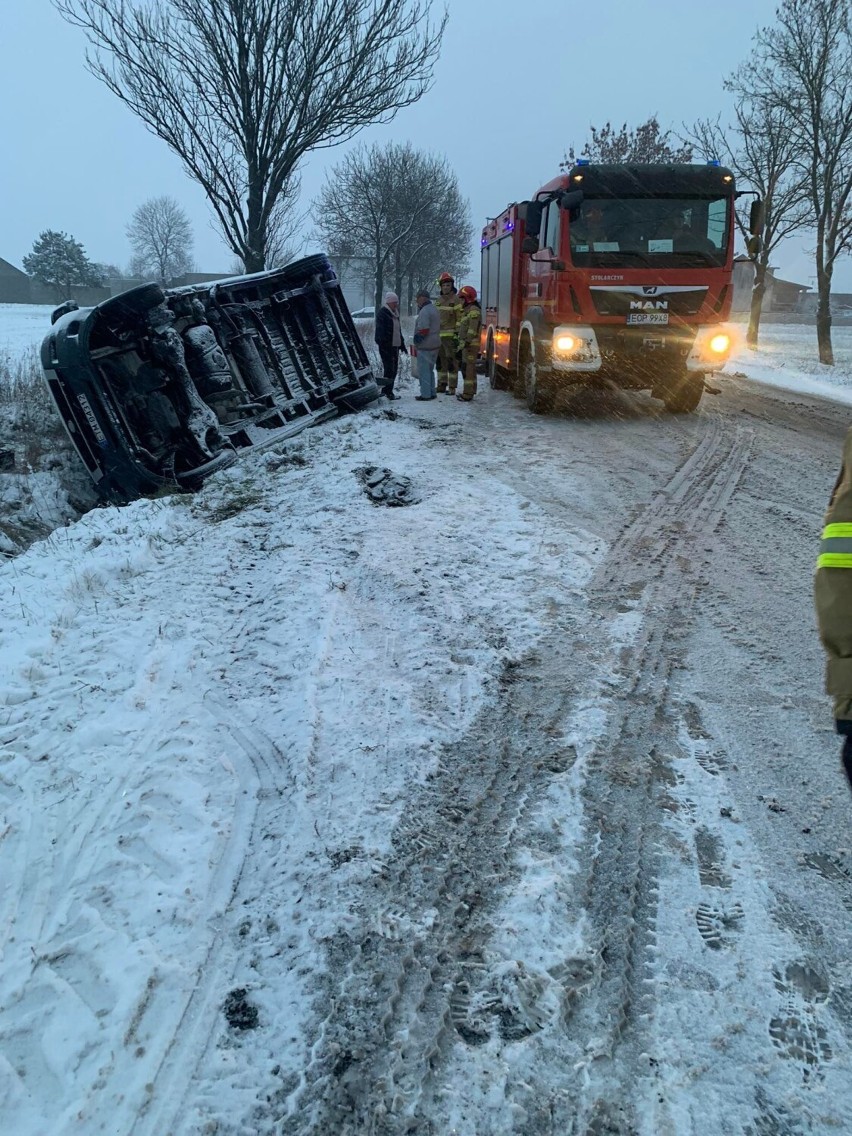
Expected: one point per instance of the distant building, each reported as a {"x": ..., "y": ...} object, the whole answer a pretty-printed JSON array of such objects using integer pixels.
[
  {"x": 189, "y": 278},
  {"x": 357, "y": 280},
  {"x": 785, "y": 295},
  {"x": 14, "y": 285},
  {"x": 18, "y": 288},
  {"x": 780, "y": 295},
  {"x": 841, "y": 303}
]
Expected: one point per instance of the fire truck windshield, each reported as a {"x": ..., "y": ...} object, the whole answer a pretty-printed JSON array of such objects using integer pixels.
[{"x": 661, "y": 232}]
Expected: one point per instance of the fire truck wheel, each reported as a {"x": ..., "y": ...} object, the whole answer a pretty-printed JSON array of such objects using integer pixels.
[
  {"x": 496, "y": 375},
  {"x": 683, "y": 394},
  {"x": 538, "y": 394}
]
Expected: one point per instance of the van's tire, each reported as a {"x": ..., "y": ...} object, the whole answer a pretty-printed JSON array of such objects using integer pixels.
[
  {"x": 133, "y": 303},
  {"x": 299, "y": 272},
  {"x": 682, "y": 393},
  {"x": 192, "y": 478}
]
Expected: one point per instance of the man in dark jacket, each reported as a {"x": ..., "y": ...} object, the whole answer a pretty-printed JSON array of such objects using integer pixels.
[{"x": 389, "y": 340}]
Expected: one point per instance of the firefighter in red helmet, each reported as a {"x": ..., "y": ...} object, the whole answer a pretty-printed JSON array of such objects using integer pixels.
[
  {"x": 469, "y": 323},
  {"x": 449, "y": 307}
]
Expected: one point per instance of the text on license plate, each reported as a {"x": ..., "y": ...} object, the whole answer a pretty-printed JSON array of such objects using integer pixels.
[{"x": 648, "y": 317}]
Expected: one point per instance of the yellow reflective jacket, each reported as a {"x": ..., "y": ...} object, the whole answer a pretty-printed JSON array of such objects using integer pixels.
[
  {"x": 449, "y": 308},
  {"x": 833, "y": 589},
  {"x": 469, "y": 324}
]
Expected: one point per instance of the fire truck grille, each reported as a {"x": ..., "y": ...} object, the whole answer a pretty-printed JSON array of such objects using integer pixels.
[{"x": 679, "y": 301}]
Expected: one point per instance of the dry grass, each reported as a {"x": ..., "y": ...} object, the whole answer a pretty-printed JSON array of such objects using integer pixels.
[{"x": 29, "y": 421}]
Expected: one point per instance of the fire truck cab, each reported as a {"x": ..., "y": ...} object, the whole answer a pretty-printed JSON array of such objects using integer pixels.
[{"x": 616, "y": 274}]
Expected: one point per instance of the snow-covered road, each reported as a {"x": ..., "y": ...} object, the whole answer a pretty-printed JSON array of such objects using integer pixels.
[{"x": 513, "y": 811}]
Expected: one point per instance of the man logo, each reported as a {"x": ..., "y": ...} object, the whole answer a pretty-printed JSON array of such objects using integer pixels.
[
  {"x": 649, "y": 305},
  {"x": 650, "y": 290}
]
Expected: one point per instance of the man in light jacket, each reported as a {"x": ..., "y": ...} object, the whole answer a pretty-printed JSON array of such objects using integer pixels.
[
  {"x": 426, "y": 341},
  {"x": 390, "y": 341}
]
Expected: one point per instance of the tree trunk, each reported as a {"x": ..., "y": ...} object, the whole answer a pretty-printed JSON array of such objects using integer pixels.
[
  {"x": 757, "y": 294},
  {"x": 379, "y": 276},
  {"x": 254, "y": 255},
  {"x": 410, "y": 301},
  {"x": 254, "y": 261},
  {"x": 823, "y": 319},
  {"x": 397, "y": 273}
]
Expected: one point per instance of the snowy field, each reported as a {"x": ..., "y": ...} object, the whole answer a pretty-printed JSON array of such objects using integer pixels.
[
  {"x": 22, "y": 327},
  {"x": 49, "y": 487},
  {"x": 787, "y": 358}
]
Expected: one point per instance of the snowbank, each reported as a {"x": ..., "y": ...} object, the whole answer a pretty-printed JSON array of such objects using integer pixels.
[{"x": 787, "y": 357}]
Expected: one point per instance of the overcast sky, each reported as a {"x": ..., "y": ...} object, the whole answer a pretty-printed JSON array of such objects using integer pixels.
[{"x": 516, "y": 84}]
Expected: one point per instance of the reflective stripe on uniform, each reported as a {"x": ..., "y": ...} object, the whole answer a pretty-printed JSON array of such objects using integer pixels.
[
  {"x": 835, "y": 550},
  {"x": 836, "y": 544}
]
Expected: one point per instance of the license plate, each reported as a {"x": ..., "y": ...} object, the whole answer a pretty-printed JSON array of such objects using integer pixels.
[{"x": 647, "y": 317}]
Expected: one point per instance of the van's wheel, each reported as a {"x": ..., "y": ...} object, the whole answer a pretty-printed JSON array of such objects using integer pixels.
[
  {"x": 496, "y": 376},
  {"x": 683, "y": 392},
  {"x": 533, "y": 386}
]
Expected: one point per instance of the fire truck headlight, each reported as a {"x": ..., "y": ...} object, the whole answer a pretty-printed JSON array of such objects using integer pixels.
[
  {"x": 567, "y": 343},
  {"x": 719, "y": 344}
]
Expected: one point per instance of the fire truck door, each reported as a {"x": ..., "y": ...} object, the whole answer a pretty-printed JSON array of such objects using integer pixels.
[{"x": 540, "y": 271}]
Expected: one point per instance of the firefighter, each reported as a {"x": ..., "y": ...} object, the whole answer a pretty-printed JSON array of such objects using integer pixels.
[
  {"x": 449, "y": 306},
  {"x": 833, "y": 592},
  {"x": 469, "y": 323}
]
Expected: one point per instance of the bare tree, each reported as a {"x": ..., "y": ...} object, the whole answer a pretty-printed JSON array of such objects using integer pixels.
[
  {"x": 283, "y": 242},
  {"x": 241, "y": 90},
  {"x": 108, "y": 273},
  {"x": 160, "y": 235},
  {"x": 760, "y": 150},
  {"x": 647, "y": 143},
  {"x": 802, "y": 64},
  {"x": 444, "y": 246},
  {"x": 357, "y": 267},
  {"x": 391, "y": 203}
]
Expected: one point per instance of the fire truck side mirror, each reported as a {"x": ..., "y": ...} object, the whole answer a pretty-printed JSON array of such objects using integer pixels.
[
  {"x": 755, "y": 218},
  {"x": 571, "y": 200},
  {"x": 753, "y": 245},
  {"x": 533, "y": 223}
]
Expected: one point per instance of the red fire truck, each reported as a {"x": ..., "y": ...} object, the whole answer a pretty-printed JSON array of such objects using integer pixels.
[{"x": 616, "y": 274}]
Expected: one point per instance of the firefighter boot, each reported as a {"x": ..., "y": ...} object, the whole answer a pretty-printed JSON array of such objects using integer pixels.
[
  {"x": 447, "y": 374},
  {"x": 469, "y": 388},
  {"x": 846, "y": 758}
]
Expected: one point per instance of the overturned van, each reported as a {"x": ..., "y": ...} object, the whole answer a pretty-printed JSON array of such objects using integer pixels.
[{"x": 160, "y": 388}]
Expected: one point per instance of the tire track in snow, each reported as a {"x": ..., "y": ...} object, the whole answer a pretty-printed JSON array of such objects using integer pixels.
[
  {"x": 398, "y": 1004},
  {"x": 373, "y": 1062},
  {"x": 653, "y": 562},
  {"x": 258, "y": 763}
]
